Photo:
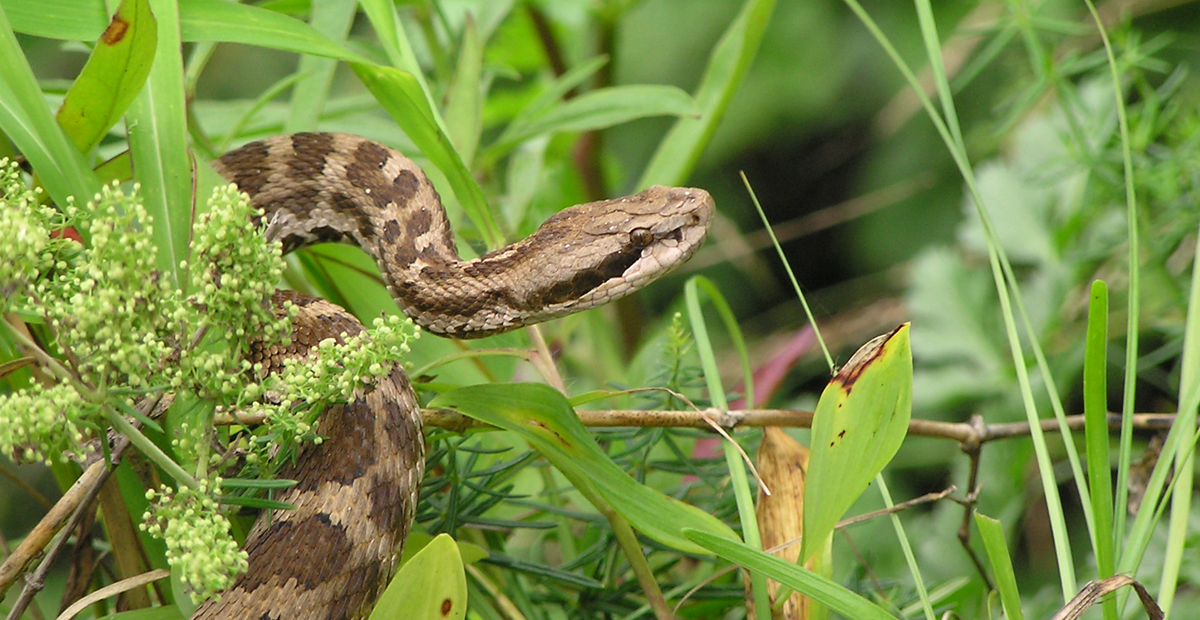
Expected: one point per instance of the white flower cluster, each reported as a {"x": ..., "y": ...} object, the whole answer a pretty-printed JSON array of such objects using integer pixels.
[
  {"x": 233, "y": 275},
  {"x": 199, "y": 546},
  {"x": 43, "y": 424},
  {"x": 111, "y": 310},
  {"x": 28, "y": 249}
]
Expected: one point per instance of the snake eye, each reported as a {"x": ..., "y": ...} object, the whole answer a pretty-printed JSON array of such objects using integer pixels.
[{"x": 641, "y": 237}]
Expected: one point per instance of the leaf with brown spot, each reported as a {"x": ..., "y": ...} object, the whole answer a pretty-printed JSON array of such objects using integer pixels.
[
  {"x": 114, "y": 74},
  {"x": 430, "y": 586},
  {"x": 858, "y": 426}
]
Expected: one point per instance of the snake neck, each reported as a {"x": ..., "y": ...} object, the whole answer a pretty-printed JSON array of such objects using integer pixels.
[{"x": 323, "y": 187}]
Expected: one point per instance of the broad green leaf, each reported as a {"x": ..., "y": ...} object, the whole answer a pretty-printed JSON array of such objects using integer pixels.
[
  {"x": 464, "y": 104},
  {"x": 603, "y": 108},
  {"x": 860, "y": 422},
  {"x": 430, "y": 586},
  {"x": 545, "y": 419},
  {"x": 26, "y": 120},
  {"x": 71, "y": 20},
  {"x": 997, "y": 551},
  {"x": 418, "y": 540},
  {"x": 158, "y": 142},
  {"x": 836, "y": 596},
  {"x": 229, "y": 22},
  {"x": 112, "y": 77},
  {"x": 681, "y": 148},
  {"x": 400, "y": 93}
]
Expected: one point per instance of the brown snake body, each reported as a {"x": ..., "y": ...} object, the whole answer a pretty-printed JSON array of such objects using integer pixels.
[{"x": 356, "y": 492}]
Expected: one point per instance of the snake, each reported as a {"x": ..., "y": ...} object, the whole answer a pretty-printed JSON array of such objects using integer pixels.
[{"x": 355, "y": 497}]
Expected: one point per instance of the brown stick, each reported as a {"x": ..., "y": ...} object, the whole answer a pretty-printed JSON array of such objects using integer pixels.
[{"x": 69, "y": 509}]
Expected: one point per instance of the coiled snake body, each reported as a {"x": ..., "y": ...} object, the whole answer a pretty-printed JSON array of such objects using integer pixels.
[{"x": 356, "y": 492}]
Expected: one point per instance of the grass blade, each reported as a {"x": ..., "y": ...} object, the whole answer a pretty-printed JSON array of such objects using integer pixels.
[
  {"x": 738, "y": 480},
  {"x": 1189, "y": 396},
  {"x": 464, "y": 103},
  {"x": 837, "y": 597},
  {"x": 158, "y": 142},
  {"x": 997, "y": 551},
  {"x": 401, "y": 95},
  {"x": 681, "y": 148},
  {"x": 1095, "y": 413},
  {"x": 229, "y": 22},
  {"x": 543, "y": 417},
  {"x": 603, "y": 108},
  {"x": 332, "y": 19}
]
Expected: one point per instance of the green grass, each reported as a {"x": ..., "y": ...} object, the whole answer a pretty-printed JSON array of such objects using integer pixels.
[{"x": 1079, "y": 177}]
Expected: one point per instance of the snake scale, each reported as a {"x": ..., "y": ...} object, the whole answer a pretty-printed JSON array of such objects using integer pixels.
[{"x": 356, "y": 492}]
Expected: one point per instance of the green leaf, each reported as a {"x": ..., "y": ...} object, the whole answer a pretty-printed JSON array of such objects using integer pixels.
[
  {"x": 1095, "y": 413},
  {"x": 332, "y": 19},
  {"x": 158, "y": 142},
  {"x": 464, "y": 103},
  {"x": 546, "y": 420},
  {"x": 72, "y": 20},
  {"x": 997, "y": 551},
  {"x": 400, "y": 93},
  {"x": 860, "y": 422},
  {"x": 26, "y": 121},
  {"x": 112, "y": 77},
  {"x": 200, "y": 20},
  {"x": 836, "y": 596},
  {"x": 216, "y": 20},
  {"x": 432, "y": 585},
  {"x": 681, "y": 148},
  {"x": 603, "y": 108}
]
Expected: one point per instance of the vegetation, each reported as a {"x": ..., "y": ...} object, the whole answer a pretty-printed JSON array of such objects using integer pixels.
[{"x": 1042, "y": 155}]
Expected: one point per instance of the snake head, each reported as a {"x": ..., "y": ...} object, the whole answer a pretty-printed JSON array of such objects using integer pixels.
[
  {"x": 582, "y": 257},
  {"x": 600, "y": 251}
]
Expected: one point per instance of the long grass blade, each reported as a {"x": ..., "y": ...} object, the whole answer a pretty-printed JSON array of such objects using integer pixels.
[
  {"x": 681, "y": 148},
  {"x": 158, "y": 141},
  {"x": 1095, "y": 412},
  {"x": 743, "y": 492},
  {"x": 1001, "y": 274},
  {"x": 331, "y": 18}
]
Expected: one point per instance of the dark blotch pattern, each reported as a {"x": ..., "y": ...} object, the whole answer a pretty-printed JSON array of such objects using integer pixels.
[
  {"x": 309, "y": 153},
  {"x": 348, "y": 205},
  {"x": 347, "y": 453},
  {"x": 276, "y": 547},
  {"x": 250, "y": 166}
]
